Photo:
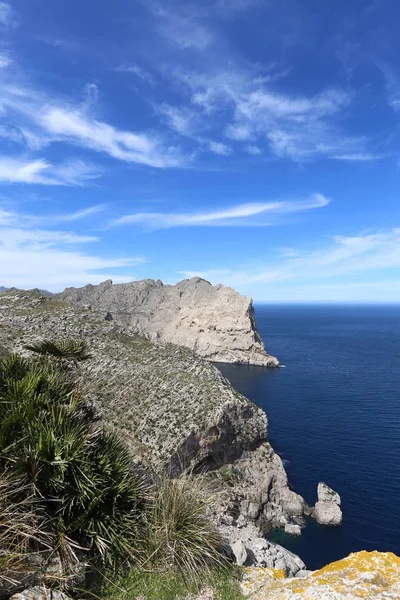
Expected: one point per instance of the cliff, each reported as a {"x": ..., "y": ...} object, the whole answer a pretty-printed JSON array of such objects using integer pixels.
[
  {"x": 215, "y": 322},
  {"x": 173, "y": 408}
]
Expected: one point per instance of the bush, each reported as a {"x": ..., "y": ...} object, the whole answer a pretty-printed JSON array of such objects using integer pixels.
[
  {"x": 180, "y": 533},
  {"x": 69, "y": 349},
  {"x": 82, "y": 475}
]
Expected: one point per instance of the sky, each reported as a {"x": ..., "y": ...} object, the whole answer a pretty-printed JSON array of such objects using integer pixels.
[{"x": 254, "y": 143}]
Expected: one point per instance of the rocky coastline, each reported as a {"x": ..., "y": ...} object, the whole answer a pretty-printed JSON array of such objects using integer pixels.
[{"x": 177, "y": 412}]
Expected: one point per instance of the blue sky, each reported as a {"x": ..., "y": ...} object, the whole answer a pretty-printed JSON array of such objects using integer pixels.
[{"x": 252, "y": 142}]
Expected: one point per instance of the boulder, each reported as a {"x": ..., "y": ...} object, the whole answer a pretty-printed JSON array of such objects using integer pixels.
[
  {"x": 239, "y": 552},
  {"x": 327, "y": 513},
  {"x": 293, "y": 529}
]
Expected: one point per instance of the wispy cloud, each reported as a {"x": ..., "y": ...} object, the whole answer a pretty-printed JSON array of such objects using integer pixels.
[
  {"x": 220, "y": 148},
  {"x": 34, "y": 254},
  {"x": 181, "y": 26},
  {"x": 138, "y": 71},
  {"x": 346, "y": 257},
  {"x": 5, "y": 61},
  {"x": 39, "y": 121},
  {"x": 7, "y": 18},
  {"x": 39, "y": 171},
  {"x": 240, "y": 215},
  {"x": 27, "y": 220}
]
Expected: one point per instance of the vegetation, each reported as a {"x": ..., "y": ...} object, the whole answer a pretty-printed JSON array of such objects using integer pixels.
[
  {"x": 172, "y": 585},
  {"x": 180, "y": 533},
  {"x": 68, "y": 488},
  {"x": 80, "y": 476},
  {"x": 21, "y": 525},
  {"x": 69, "y": 349}
]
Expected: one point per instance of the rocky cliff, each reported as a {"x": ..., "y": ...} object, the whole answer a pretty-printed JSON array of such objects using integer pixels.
[
  {"x": 173, "y": 408},
  {"x": 215, "y": 322}
]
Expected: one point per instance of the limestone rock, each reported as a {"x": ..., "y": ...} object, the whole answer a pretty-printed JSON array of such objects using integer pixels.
[
  {"x": 326, "y": 494},
  {"x": 371, "y": 575},
  {"x": 327, "y": 510},
  {"x": 292, "y": 529},
  {"x": 214, "y": 321},
  {"x": 239, "y": 552}
]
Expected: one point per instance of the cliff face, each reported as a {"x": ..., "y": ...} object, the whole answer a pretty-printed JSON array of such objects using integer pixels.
[
  {"x": 215, "y": 322},
  {"x": 173, "y": 408},
  {"x": 372, "y": 575}
]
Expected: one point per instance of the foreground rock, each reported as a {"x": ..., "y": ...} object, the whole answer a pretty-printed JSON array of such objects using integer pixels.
[
  {"x": 252, "y": 550},
  {"x": 327, "y": 510},
  {"x": 214, "y": 321},
  {"x": 371, "y": 575},
  {"x": 174, "y": 409}
]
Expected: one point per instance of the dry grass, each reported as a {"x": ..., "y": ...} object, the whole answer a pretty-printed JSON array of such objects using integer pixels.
[{"x": 181, "y": 535}]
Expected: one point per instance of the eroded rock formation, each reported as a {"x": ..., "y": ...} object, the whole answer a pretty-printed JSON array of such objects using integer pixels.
[{"x": 215, "y": 322}]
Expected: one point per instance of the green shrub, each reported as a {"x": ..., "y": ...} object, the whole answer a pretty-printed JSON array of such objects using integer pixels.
[
  {"x": 82, "y": 475},
  {"x": 69, "y": 349}
]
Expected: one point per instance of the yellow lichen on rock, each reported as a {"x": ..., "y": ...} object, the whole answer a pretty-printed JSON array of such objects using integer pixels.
[{"x": 374, "y": 575}]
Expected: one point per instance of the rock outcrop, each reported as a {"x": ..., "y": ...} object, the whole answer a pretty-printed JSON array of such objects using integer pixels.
[
  {"x": 371, "y": 575},
  {"x": 327, "y": 510},
  {"x": 215, "y": 322}
]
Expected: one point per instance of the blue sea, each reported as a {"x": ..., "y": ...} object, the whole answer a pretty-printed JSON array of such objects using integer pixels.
[{"x": 334, "y": 416}]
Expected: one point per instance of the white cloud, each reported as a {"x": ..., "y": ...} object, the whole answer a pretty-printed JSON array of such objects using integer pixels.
[
  {"x": 135, "y": 69},
  {"x": 39, "y": 121},
  {"x": 254, "y": 150},
  {"x": 181, "y": 119},
  {"x": 39, "y": 171},
  {"x": 219, "y": 148},
  {"x": 5, "y": 61},
  {"x": 347, "y": 268},
  {"x": 240, "y": 215},
  {"x": 358, "y": 157},
  {"x": 182, "y": 28},
  {"x": 241, "y": 104},
  {"x": 6, "y": 15},
  {"x": 34, "y": 255},
  {"x": 27, "y": 221}
]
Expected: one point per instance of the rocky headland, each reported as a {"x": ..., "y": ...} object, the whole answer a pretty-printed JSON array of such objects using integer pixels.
[
  {"x": 215, "y": 322},
  {"x": 176, "y": 411}
]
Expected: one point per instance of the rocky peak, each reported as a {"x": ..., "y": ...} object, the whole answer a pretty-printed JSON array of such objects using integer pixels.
[{"x": 216, "y": 322}]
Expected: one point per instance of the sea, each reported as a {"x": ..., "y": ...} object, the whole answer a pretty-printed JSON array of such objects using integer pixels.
[{"x": 334, "y": 416}]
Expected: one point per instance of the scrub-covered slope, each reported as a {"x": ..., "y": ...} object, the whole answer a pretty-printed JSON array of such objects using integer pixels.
[{"x": 172, "y": 407}]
